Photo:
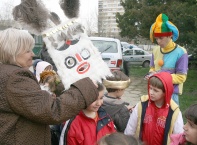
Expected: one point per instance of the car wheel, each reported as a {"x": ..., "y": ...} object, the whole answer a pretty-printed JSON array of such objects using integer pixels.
[{"x": 146, "y": 64}]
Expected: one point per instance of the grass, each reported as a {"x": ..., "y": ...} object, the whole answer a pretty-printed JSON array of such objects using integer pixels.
[{"x": 189, "y": 95}]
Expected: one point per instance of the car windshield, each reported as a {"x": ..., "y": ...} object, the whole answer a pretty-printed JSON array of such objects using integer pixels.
[{"x": 105, "y": 46}]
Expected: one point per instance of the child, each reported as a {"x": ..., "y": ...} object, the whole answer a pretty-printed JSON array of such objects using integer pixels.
[
  {"x": 115, "y": 107},
  {"x": 118, "y": 138},
  {"x": 35, "y": 64},
  {"x": 157, "y": 116},
  {"x": 89, "y": 125},
  {"x": 41, "y": 66},
  {"x": 189, "y": 137}
]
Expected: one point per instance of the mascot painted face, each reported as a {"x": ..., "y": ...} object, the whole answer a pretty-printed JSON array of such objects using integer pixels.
[
  {"x": 68, "y": 45},
  {"x": 74, "y": 54}
]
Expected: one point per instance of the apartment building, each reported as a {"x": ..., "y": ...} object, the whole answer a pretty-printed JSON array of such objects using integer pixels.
[{"x": 107, "y": 26}]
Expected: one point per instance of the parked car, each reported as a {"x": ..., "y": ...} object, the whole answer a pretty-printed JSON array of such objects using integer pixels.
[
  {"x": 110, "y": 50},
  {"x": 127, "y": 46},
  {"x": 192, "y": 61},
  {"x": 137, "y": 56}
]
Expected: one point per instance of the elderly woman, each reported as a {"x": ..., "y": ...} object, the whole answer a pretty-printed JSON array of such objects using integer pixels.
[{"x": 25, "y": 110}]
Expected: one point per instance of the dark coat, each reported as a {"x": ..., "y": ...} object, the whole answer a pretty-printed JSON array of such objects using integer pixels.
[
  {"x": 118, "y": 112},
  {"x": 26, "y": 111},
  {"x": 46, "y": 57}
]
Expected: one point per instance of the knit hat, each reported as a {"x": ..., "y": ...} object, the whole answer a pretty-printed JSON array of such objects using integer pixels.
[
  {"x": 40, "y": 67},
  {"x": 162, "y": 27}
]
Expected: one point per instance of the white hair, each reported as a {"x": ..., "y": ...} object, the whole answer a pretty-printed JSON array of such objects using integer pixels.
[{"x": 14, "y": 42}]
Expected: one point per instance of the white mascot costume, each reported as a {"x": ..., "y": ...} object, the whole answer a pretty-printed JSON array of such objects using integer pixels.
[{"x": 68, "y": 45}]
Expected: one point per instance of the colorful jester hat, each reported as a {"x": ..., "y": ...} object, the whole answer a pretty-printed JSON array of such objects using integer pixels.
[{"x": 162, "y": 27}]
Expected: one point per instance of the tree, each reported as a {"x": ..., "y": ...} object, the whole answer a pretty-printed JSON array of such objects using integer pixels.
[
  {"x": 91, "y": 23},
  {"x": 140, "y": 14},
  {"x": 6, "y": 19}
]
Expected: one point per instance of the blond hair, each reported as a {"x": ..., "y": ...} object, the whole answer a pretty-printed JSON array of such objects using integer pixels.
[{"x": 12, "y": 43}]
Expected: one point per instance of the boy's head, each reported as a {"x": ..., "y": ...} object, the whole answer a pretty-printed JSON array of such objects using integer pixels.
[
  {"x": 119, "y": 139},
  {"x": 162, "y": 28},
  {"x": 190, "y": 128},
  {"x": 156, "y": 82},
  {"x": 116, "y": 82},
  {"x": 97, "y": 104},
  {"x": 160, "y": 88},
  {"x": 191, "y": 113}
]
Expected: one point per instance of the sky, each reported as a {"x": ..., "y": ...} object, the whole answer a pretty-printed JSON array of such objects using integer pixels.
[{"x": 86, "y": 8}]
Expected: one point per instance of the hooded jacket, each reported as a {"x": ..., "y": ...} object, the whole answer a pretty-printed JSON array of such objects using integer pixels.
[
  {"x": 154, "y": 119},
  {"x": 85, "y": 131},
  {"x": 155, "y": 125}
]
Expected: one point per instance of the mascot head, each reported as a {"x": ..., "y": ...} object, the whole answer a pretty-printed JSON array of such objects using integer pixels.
[{"x": 67, "y": 42}]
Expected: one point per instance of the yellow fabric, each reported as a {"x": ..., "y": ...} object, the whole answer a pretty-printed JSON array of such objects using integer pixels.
[
  {"x": 169, "y": 47},
  {"x": 157, "y": 56},
  {"x": 179, "y": 79},
  {"x": 151, "y": 31},
  {"x": 152, "y": 69}
]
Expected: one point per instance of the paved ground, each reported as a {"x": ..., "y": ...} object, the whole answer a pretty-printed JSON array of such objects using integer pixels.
[{"x": 137, "y": 88}]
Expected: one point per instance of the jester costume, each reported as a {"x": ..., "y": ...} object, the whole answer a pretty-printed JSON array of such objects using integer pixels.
[{"x": 173, "y": 58}]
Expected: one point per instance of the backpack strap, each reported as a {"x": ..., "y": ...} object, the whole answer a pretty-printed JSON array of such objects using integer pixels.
[{"x": 63, "y": 137}]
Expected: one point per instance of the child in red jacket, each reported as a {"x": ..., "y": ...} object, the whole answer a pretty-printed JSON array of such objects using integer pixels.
[
  {"x": 156, "y": 116},
  {"x": 90, "y": 125}
]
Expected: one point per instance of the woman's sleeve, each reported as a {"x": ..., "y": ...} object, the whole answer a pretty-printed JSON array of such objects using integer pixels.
[
  {"x": 27, "y": 99},
  {"x": 132, "y": 123}
]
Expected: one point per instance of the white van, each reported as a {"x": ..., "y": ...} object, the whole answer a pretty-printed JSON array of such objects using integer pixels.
[{"x": 110, "y": 50}]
